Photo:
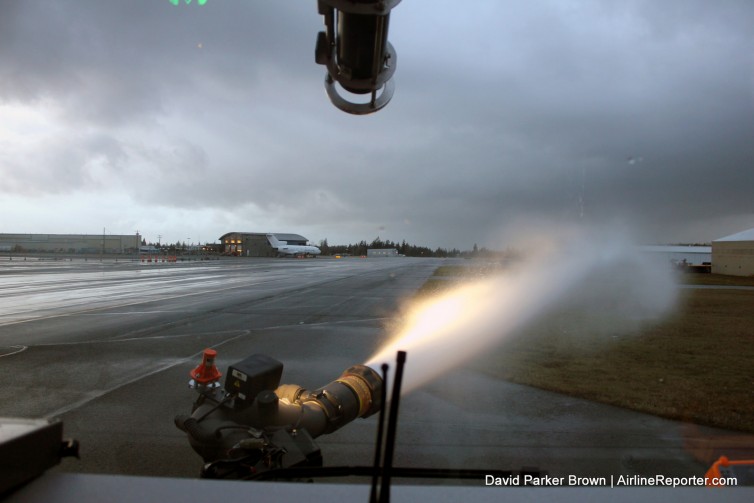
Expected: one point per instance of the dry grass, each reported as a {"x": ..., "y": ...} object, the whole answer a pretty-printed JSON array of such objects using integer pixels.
[{"x": 695, "y": 365}]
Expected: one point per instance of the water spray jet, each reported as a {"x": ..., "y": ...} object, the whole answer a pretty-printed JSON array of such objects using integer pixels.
[{"x": 457, "y": 326}]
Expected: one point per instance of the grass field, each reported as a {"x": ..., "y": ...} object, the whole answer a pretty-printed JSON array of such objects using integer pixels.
[{"x": 696, "y": 365}]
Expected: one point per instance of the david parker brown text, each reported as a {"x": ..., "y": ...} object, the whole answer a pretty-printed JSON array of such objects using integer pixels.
[{"x": 621, "y": 480}]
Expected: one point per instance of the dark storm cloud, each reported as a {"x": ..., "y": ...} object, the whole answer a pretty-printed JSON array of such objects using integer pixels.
[
  {"x": 577, "y": 110},
  {"x": 579, "y": 92},
  {"x": 115, "y": 59},
  {"x": 115, "y": 67}
]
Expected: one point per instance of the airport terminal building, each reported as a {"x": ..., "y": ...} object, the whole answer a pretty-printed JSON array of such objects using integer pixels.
[
  {"x": 69, "y": 243},
  {"x": 255, "y": 244}
]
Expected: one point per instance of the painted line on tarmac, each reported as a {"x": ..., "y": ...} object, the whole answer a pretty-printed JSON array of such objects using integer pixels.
[
  {"x": 137, "y": 339},
  {"x": 122, "y": 313},
  {"x": 320, "y": 323},
  {"x": 161, "y": 296},
  {"x": 97, "y": 394},
  {"x": 13, "y": 350},
  {"x": 196, "y": 334}
]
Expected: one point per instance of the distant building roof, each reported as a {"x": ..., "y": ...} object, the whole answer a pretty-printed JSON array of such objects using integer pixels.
[
  {"x": 281, "y": 237},
  {"x": 289, "y": 237},
  {"x": 747, "y": 235}
]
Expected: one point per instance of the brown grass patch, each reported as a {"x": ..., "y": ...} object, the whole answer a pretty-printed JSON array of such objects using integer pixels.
[{"x": 695, "y": 365}]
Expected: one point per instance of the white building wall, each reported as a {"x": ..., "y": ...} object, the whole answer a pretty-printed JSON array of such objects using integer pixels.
[
  {"x": 734, "y": 254},
  {"x": 735, "y": 258}
]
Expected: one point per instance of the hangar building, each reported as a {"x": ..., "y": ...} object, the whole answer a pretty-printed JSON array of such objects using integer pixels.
[
  {"x": 255, "y": 244},
  {"x": 734, "y": 254},
  {"x": 70, "y": 243}
]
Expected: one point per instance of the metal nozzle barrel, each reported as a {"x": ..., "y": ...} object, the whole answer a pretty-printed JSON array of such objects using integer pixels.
[
  {"x": 367, "y": 385},
  {"x": 216, "y": 425},
  {"x": 356, "y": 393}
]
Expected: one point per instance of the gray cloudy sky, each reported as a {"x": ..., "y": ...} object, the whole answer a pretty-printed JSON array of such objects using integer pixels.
[{"x": 191, "y": 121}]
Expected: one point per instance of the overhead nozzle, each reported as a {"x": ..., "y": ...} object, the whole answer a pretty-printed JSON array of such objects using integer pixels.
[{"x": 356, "y": 52}]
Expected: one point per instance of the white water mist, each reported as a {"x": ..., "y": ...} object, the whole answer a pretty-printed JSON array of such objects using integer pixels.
[{"x": 447, "y": 331}]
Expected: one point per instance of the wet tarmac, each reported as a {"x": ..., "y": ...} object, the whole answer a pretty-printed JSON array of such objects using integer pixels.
[{"x": 107, "y": 348}]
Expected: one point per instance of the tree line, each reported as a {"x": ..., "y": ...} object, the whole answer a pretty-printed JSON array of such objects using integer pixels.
[
  {"x": 356, "y": 249},
  {"x": 404, "y": 248}
]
